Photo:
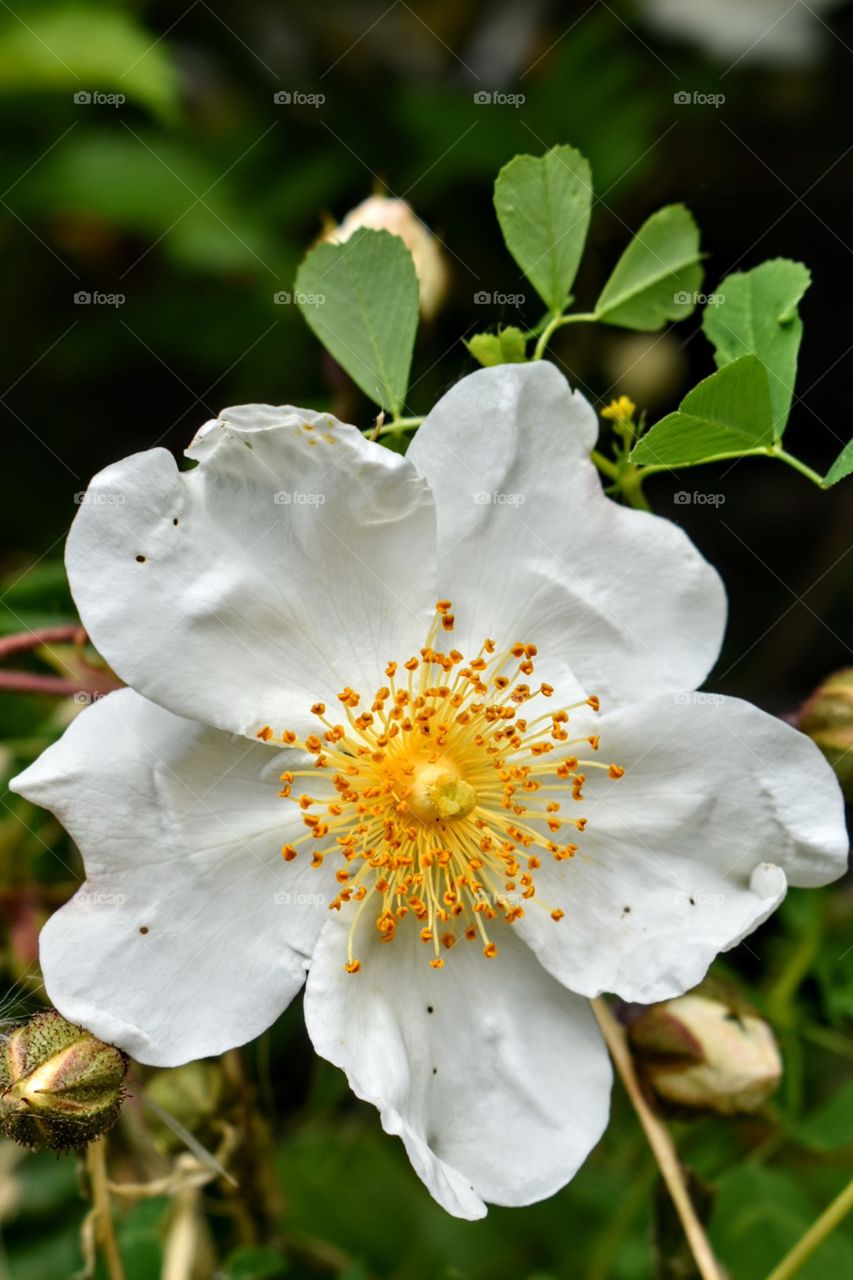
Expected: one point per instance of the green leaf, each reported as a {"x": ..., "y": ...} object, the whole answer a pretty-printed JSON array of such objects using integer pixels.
[
  {"x": 841, "y": 467},
  {"x": 728, "y": 413},
  {"x": 361, "y": 300},
  {"x": 84, "y": 49},
  {"x": 507, "y": 347},
  {"x": 658, "y": 276},
  {"x": 757, "y": 313},
  {"x": 255, "y": 1262},
  {"x": 543, "y": 205},
  {"x": 831, "y": 1126}
]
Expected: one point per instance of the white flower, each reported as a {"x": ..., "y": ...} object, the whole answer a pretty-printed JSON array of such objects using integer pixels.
[
  {"x": 386, "y": 213},
  {"x": 284, "y": 573}
]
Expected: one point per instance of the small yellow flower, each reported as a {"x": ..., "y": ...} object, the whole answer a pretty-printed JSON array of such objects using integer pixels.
[{"x": 621, "y": 409}]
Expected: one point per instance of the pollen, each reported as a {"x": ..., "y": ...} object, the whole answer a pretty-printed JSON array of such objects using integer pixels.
[{"x": 441, "y": 795}]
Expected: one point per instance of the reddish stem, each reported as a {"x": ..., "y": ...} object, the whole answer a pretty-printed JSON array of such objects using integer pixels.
[{"x": 25, "y": 640}]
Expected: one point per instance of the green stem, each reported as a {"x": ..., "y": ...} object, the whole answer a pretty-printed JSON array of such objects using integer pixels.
[
  {"x": 576, "y": 317},
  {"x": 604, "y": 465},
  {"x": 819, "y": 1231},
  {"x": 763, "y": 451}
]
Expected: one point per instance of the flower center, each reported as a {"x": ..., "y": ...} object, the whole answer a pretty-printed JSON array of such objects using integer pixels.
[
  {"x": 438, "y": 797},
  {"x": 438, "y": 793}
]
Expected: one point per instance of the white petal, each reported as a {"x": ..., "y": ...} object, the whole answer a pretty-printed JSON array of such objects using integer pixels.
[
  {"x": 531, "y": 550},
  {"x": 494, "y": 1076},
  {"x": 288, "y": 563},
  {"x": 190, "y": 933},
  {"x": 720, "y": 807}
]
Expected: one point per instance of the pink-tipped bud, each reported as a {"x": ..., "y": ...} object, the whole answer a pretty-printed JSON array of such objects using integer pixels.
[{"x": 707, "y": 1051}]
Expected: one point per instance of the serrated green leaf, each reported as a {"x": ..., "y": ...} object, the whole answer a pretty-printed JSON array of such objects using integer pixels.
[
  {"x": 658, "y": 276},
  {"x": 543, "y": 205},
  {"x": 757, "y": 313},
  {"x": 841, "y": 467},
  {"x": 361, "y": 300},
  {"x": 726, "y": 414},
  {"x": 507, "y": 347}
]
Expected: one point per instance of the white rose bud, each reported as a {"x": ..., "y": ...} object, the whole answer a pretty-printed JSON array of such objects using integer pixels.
[
  {"x": 707, "y": 1051},
  {"x": 384, "y": 213}
]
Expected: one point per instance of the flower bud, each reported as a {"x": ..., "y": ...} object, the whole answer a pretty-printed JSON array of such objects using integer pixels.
[
  {"x": 827, "y": 718},
  {"x": 194, "y": 1095},
  {"x": 707, "y": 1051},
  {"x": 383, "y": 213},
  {"x": 59, "y": 1087}
]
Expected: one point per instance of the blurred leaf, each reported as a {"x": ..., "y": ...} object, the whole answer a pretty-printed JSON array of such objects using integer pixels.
[
  {"x": 159, "y": 188},
  {"x": 727, "y": 413},
  {"x": 140, "y": 1238},
  {"x": 842, "y": 466},
  {"x": 658, "y": 275},
  {"x": 758, "y": 315},
  {"x": 255, "y": 1263},
  {"x": 507, "y": 347},
  {"x": 543, "y": 205},
  {"x": 84, "y": 49},
  {"x": 760, "y": 1214},
  {"x": 361, "y": 300},
  {"x": 830, "y": 1126}
]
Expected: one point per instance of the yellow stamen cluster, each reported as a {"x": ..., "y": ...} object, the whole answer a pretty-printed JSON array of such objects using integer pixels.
[{"x": 441, "y": 796}]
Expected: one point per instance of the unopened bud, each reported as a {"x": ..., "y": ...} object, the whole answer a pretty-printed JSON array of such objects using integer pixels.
[
  {"x": 383, "y": 213},
  {"x": 193, "y": 1095},
  {"x": 827, "y": 718},
  {"x": 707, "y": 1051},
  {"x": 60, "y": 1087}
]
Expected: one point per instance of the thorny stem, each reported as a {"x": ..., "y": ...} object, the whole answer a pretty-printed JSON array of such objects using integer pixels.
[
  {"x": 96, "y": 1164},
  {"x": 832, "y": 1216},
  {"x": 660, "y": 1142}
]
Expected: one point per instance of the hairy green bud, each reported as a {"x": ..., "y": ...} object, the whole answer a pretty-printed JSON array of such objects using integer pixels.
[{"x": 60, "y": 1087}]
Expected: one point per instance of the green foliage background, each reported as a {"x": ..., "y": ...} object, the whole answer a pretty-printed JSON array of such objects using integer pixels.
[{"x": 196, "y": 199}]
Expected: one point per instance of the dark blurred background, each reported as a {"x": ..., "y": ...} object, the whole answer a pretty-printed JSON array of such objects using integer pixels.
[{"x": 192, "y": 201}]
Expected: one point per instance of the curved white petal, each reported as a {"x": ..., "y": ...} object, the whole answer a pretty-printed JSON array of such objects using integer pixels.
[
  {"x": 190, "y": 934},
  {"x": 296, "y": 558},
  {"x": 721, "y": 806},
  {"x": 493, "y": 1075},
  {"x": 530, "y": 549}
]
